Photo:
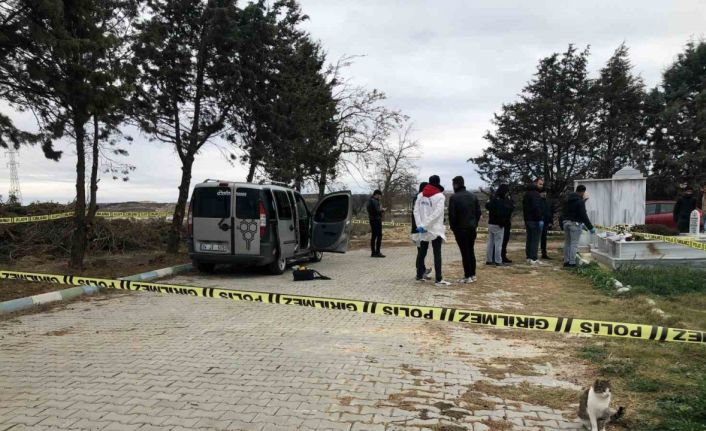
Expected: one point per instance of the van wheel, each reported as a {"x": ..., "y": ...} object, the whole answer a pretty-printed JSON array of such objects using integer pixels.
[
  {"x": 204, "y": 266},
  {"x": 278, "y": 266},
  {"x": 316, "y": 256}
]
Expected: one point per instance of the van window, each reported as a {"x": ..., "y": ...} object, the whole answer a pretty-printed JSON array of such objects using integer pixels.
[
  {"x": 247, "y": 203},
  {"x": 651, "y": 209},
  {"x": 211, "y": 202},
  {"x": 283, "y": 205},
  {"x": 302, "y": 208},
  {"x": 333, "y": 210}
]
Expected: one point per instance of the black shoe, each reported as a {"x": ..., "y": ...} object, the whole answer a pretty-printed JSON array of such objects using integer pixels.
[
  {"x": 378, "y": 255},
  {"x": 507, "y": 261},
  {"x": 489, "y": 263},
  {"x": 545, "y": 257}
]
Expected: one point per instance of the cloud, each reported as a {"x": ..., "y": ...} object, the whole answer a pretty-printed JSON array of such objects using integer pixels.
[{"x": 448, "y": 64}]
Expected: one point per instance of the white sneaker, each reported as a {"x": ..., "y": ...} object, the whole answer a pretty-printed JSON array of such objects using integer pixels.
[
  {"x": 529, "y": 261},
  {"x": 442, "y": 283},
  {"x": 474, "y": 279},
  {"x": 468, "y": 280}
]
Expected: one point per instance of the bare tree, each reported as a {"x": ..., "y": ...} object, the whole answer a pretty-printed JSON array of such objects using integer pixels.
[
  {"x": 362, "y": 124},
  {"x": 394, "y": 169}
]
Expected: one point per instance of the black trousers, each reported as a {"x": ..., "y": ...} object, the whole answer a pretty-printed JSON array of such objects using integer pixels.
[
  {"x": 422, "y": 254},
  {"x": 503, "y": 253},
  {"x": 466, "y": 240},
  {"x": 375, "y": 236},
  {"x": 543, "y": 240}
]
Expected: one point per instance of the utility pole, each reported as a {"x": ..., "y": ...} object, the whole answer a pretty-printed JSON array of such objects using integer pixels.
[{"x": 14, "y": 178}]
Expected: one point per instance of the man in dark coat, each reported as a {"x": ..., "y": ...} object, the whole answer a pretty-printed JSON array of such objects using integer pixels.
[
  {"x": 375, "y": 211},
  {"x": 548, "y": 218},
  {"x": 534, "y": 222},
  {"x": 683, "y": 208},
  {"x": 464, "y": 215}
]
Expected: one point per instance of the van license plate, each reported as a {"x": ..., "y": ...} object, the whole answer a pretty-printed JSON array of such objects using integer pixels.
[{"x": 213, "y": 247}]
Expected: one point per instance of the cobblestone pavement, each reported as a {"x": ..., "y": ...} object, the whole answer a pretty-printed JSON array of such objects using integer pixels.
[{"x": 147, "y": 361}]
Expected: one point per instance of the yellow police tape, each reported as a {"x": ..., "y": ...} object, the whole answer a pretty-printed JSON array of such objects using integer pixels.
[
  {"x": 486, "y": 318},
  {"x": 103, "y": 214},
  {"x": 480, "y": 229},
  {"x": 685, "y": 241}
]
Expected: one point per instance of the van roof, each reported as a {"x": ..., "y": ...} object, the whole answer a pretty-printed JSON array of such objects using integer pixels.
[{"x": 210, "y": 182}]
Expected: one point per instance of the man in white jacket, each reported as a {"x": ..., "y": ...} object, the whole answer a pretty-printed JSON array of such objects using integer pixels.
[{"x": 429, "y": 217}]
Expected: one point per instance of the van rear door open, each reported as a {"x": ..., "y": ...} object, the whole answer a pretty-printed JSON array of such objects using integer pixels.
[{"x": 211, "y": 212}]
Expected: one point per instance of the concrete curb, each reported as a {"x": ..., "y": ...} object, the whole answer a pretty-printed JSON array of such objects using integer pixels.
[{"x": 20, "y": 304}]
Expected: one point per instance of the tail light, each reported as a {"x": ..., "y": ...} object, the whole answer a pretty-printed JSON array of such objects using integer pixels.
[
  {"x": 190, "y": 222},
  {"x": 263, "y": 221}
]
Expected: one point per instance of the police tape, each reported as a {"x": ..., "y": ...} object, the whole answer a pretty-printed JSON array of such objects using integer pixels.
[
  {"x": 687, "y": 242},
  {"x": 566, "y": 325},
  {"x": 480, "y": 229},
  {"x": 103, "y": 214}
]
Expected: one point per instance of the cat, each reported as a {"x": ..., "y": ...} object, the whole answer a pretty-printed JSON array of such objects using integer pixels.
[{"x": 594, "y": 408}]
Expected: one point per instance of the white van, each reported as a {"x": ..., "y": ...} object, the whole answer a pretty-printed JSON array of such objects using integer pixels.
[{"x": 265, "y": 225}]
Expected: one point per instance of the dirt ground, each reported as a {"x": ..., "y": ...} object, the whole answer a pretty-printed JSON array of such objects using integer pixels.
[{"x": 109, "y": 266}]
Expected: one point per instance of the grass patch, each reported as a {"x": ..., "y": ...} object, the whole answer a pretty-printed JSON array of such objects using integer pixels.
[
  {"x": 600, "y": 278},
  {"x": 500, "y": 367},
  {"x": 664, "y": 281},
  {"x": 555, "y": 398}
]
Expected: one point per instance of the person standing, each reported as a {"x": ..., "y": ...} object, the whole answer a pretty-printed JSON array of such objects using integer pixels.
[
  {"x": 429, "y": 217},
  {"x": 375, "y": 211},
  {"x": 574, "y": 219},
  {"x": 499, "y": 214},
  {"x": 509, "y": 208},
  {"x": 464, "y": 215},
  {"x": 683, "y": 208},
  {"x": 534, "y": 222},
  {"x": 548, "y": 219},
  {"x": 427, "y": 271}
]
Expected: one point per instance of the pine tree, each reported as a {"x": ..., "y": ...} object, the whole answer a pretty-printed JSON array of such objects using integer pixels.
[
  {"x": 187, "y": 75},
  {"x": 549, "y": 132},
  {"x": 678, "y": 135},
  {"x": 61, "y": 66},
  {"x": 619, "y": 134}
]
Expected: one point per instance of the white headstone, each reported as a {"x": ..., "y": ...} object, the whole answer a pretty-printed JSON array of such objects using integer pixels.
[{"x": 694, "y": 222}]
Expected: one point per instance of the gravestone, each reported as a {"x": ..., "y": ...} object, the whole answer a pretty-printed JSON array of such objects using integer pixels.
[{"x": 616, "y": 200}]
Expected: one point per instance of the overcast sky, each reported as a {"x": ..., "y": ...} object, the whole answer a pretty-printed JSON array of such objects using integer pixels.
[{"x": 447, "y": 64}]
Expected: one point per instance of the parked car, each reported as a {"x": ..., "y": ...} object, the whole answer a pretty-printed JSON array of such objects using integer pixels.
[
  {"x": 265, "y": 225},
  {"x": 661, "y": 212}
]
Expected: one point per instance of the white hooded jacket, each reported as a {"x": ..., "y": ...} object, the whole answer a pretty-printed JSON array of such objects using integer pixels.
[{"x": 429, "y": 213}]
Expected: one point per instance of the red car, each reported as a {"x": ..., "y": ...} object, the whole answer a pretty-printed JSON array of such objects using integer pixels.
[{"x": 661, "y": 212}]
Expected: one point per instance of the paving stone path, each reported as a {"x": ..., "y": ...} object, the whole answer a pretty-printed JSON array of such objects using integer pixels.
[{"x": 143, "y": 361}]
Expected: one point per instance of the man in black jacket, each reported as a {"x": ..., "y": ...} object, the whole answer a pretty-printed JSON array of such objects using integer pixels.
[
  {"x": 574, "y": 219},
  {"x": 683, "y": 208},
  {"x": 548, "y": 219},
  {"x": 534, "y": 222},
  {"x": 375, "y": 211},
  {"x": 464, "y": 215}
]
